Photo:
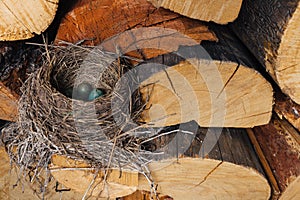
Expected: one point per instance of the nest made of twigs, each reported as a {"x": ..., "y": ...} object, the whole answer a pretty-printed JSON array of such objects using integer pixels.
[{"x": 52, "y": 123}]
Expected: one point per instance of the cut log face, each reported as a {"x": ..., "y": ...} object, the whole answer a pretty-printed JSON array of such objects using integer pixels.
[
  {"x": 11, "y": 189},
  {"x": 274, "y": 40},
  {"x": 8, "y": 104},
  {"x": 293, "y": 191},
  {"x": 23, "y": 19},
  {"x": 208, "y": 179},
  {"x": 220, "y": 12},
  {"x": 229, "y": 171},
  {"x": 81, "y": 177},
  {"x": 230, "y": 98}
]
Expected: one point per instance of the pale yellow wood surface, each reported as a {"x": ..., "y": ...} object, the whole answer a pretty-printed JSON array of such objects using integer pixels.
[
  {"x": 23, "y": 190},
  {"x": 287, "y": 67},
  {"x": 200, "y": 91},
  {"x": 80, "y": 176},
  {"x": 21, "y": 19},
  {"x": 220, "y": 12},
  {"x": 8, "y": 104},
  {"x": 293, "y": 190},
  {"x": 193, "y": 178}
]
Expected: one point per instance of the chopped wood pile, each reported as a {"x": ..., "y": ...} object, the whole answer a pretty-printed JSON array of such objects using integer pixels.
[{"x": 150, "y": 99}]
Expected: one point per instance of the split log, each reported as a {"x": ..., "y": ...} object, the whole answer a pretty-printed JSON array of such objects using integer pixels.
[
  {"x": 279, "y": 144},
  {"x": 8, "y": 104},
  {"x": 187, "y": 96},
  {"x": 286, "y": 108},
  {"x": 144, "y": 195},
  {"x": 220, "y": 12},
  {"x": 84, "y": 178},
  {"x": 271, "y": 29},
  {"x": 203, "y": 89},
  {"x": 23, "y": 19},
  {"x": 230, "y": 170},
  {"x": 92, "y": 22},
  {"x": 11, "y": 188}
]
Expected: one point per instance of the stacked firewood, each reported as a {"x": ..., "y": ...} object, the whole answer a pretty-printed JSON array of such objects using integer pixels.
[{"x": 245, "y": 93}]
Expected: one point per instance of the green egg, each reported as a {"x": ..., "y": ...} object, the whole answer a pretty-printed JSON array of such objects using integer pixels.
[
  {"x": 95, "y": 93},
  {"x": 83, "y": 90}
]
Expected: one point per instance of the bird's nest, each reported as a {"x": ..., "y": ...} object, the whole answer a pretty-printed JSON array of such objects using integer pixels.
[{"x": 104, "y": 132}]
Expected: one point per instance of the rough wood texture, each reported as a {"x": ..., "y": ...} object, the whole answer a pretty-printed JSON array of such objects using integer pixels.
[
  {"x": 13, "y": 190},
  {"x": 144, "y": 195},
  {"x": 84, "y": 178},
  {"x": 230, "y": 170},
  {"x": 286, "y": 108},
  {"x": 220, "y": 12},
  {"x": 95, "y": 21},
  {"x": 187, "y": 95},
  {"x": 280, "y": 144},
  {"x": 222, "y": 78},
  {"x": 8, "y": 104},
  {"x": 24, "y": 18},
  {"x": 271, "y": 29},
  {"x": 17, "y": 60}
]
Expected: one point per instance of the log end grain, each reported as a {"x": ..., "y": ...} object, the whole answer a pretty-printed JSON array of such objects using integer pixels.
[
  {"x": 287, "y": 67},
  {"x": 229, "y": 98},
  {"x": 23, "y": 19},
  {"x": 220, "y": 12}
]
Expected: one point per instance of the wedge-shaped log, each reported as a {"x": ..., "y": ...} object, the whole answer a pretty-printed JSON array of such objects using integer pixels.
[
  {"x": 231, "y": 97},
  {"x": 25, "y": 18},
  {"x": 220, "y": 12},
  {"x": 230, "y": 170},
  {"x": 270, "y": 29}
]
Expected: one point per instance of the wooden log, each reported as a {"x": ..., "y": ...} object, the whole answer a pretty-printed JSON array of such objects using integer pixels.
[
  {"x": 279, "y": 144},
  {"x": 10, "y": 188},
  {"x": 8, "y": 104},
  {"x": 230, "y": 170},
  {"x": 286, "y": 108},
  {"x": 270, "y": 30},
  {"x": 95, "y": 21},
  {"x": 144, "y": 195},
  {"x": 84, "y": 178},
  {"x": 188, "y": 94},
  {"x": 26, "y": 18},
  {"x": 220, "y": 12}
]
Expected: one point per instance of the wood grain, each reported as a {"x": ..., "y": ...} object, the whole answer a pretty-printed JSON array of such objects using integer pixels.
[
  {"x": 220, "y": 12},
  {"x": 270, "y": 30},
  {"x": 22, "y": 19}
]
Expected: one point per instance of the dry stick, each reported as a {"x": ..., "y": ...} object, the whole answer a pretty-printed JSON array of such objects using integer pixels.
[{"x": 263, "y": 161}]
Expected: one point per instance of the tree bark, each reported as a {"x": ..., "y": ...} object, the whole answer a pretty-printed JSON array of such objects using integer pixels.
[
  {"x": 270, "y": 30},
  {"x": 280, "y": 146},
  {"x": 286, "y": 108}
]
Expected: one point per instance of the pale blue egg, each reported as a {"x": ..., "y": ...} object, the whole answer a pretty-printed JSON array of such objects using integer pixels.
[{"x": 95, "y": 93}]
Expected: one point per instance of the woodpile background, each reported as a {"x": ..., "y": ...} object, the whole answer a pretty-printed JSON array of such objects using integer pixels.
[{"x": 255, "y": 46}]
